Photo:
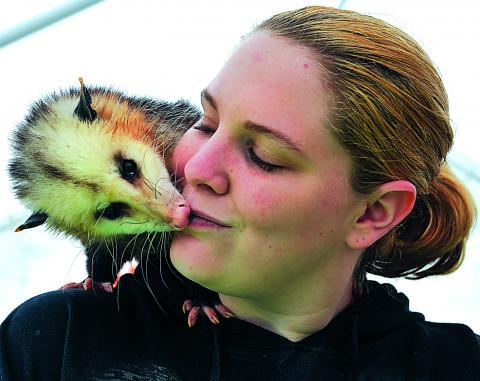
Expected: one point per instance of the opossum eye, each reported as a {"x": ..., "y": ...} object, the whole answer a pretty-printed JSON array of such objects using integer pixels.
[
  {"x": 113, "y": 211},
  {"x": 129, "y": 170}
]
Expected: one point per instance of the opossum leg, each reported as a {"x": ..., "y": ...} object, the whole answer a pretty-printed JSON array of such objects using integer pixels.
[{"x": 88, "y": 285}]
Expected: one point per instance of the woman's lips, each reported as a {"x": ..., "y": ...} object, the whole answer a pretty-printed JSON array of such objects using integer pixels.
[{"x": 202, "y": 220}]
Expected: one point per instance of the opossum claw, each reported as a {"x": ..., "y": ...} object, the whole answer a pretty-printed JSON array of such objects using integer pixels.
[
  {"x": 192, "y": 316},
  {"x": 187, "y": 306},
  {"x": 36, "y": 219},
  {"x": 224, "y": 311},
  {"x": 210, "y": 313}
]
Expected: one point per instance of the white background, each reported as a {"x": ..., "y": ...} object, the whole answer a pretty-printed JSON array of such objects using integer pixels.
[{"x": 172, "y": 49}]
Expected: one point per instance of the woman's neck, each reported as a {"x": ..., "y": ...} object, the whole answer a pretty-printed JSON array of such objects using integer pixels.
[{"x": 294, "y": 318}]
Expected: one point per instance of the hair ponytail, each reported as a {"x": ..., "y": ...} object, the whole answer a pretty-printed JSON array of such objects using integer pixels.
[{"x": 431, "y": 240}]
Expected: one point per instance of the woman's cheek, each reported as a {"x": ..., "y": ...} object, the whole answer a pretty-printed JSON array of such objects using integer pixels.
[
  {"x": 265, "y": 204},
  {"x": 184, "y": 151}
]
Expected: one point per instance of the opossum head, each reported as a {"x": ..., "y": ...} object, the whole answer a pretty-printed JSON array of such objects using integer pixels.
[{"x": 94, "y": 167}]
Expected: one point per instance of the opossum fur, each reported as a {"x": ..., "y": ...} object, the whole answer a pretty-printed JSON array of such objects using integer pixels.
[{"x": 103, "y": 175}]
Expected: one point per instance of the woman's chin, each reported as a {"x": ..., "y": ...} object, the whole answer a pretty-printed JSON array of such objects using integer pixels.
[{"x": 194, "y": 258}]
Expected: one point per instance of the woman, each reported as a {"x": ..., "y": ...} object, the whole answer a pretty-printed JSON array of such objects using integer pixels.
[{"x": 320, "y": 156}]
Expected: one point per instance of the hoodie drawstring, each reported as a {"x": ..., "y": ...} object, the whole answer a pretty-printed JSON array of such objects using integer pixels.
[
  {"x": 354, "y": 347},
  {"x": 216, "y": 365}
]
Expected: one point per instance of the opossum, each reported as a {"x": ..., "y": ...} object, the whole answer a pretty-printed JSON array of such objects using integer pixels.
[{"x": 92, "y": 164}]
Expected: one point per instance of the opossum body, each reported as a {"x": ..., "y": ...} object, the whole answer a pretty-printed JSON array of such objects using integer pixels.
[{"x": 93, "y": 165}]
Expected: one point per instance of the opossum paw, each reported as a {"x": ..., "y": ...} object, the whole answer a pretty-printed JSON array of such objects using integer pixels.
[
  {"x": 194, "y": 309},
  {"x": 72, "y": 285},
  {"x": 89, "y": 285}
]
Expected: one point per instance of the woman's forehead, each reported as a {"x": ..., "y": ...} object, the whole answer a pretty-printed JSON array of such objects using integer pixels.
[
  {"x": 269, "y": 55},
  {"x": 272, "y": 73},
  {"x": 273, "y": 82}
]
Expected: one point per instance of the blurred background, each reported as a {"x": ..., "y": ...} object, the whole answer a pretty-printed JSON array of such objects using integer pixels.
[{"x": 172, "y": 49}]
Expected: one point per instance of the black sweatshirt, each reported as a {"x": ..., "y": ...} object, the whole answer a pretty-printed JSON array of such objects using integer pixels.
[{"x": 130, "y": 335}]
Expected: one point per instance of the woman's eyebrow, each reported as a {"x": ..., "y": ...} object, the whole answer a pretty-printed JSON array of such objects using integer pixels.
[
  {"x": 258, "y": 128},
  {"x": 206, "y": 96}
]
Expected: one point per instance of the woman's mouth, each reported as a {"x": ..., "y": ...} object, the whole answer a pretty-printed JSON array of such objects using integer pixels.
[{"x": 201, "y": 220}]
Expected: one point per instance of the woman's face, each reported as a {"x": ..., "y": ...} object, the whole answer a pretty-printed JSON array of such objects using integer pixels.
[{"x": 266, "y": 182}]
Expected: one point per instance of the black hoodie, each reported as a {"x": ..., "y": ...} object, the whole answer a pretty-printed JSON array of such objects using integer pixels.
[{"x": 131, "y": 335}]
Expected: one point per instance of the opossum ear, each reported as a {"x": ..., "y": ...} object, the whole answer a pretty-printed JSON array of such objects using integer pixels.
[
  {"x": 84, "y": 111},
  {"x": 36, "y": 219}
]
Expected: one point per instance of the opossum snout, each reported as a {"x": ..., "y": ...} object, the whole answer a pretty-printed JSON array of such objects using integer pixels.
[{"x": 178, "y": 215}]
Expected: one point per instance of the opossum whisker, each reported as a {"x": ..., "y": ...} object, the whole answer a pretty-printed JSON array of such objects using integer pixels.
[
  {"x": 167, "y": 260},
  {"x": 156, "y": 187},
  {"x": 133, "y": 223},
  {"x": 141, "y": 254},
  {"x": 149, "y": 186},
  {"x": 154, "y": 251},
  {"x": 147, "y": 283},
  {"x": 146, "y": 242},
  {"x": 158, "y": 184},
  {"x": 115, "y": 268},
  {"x": 73, "y": 262},
  {"x": 120, "y": 251},
  {"x": 111, "y": 252},
  {"x": 94, "y": 255},
  {"x": 132, "y": 240}
]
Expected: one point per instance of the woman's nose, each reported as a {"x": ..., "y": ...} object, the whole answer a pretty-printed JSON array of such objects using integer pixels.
[{"x": 207, "y": 167}]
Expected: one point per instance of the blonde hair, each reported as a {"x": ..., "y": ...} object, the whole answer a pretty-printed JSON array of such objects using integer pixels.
[{"x": 390, "y": 113}]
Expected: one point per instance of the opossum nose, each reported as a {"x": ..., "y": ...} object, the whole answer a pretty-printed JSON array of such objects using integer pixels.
[{"x": 179, "y": 216}]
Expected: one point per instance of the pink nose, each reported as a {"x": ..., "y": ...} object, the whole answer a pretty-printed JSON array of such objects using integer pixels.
[{"x": 179, "y": 216}]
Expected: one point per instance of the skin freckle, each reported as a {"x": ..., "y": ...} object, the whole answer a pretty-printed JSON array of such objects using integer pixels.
[{"x": 257, "y": 57}]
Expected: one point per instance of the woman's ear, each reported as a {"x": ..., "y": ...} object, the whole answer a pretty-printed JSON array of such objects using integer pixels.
[{"x": 385, "y": 208}]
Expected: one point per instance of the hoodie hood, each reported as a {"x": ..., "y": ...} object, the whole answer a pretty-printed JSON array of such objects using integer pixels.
[
  {"x": 375, "y": 337},
  {"x": 378, "y": 312}
]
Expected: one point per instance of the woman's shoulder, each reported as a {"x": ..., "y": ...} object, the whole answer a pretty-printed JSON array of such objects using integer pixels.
[
  {"x": 45, "y": 319},
  {"x": 390, "y": 333},
  {"x": 35, "y": 333},
  {"x": 54, "y": 306},
  {"x": 454, "y": 337},
  {"x": 58, "y": 331}
]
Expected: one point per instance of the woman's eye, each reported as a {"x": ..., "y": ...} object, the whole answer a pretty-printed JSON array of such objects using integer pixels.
[
  {"x": 252, "y": 156},
  {"x": 204, "y": 128},
  {"x": 267, "y": 167}
]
